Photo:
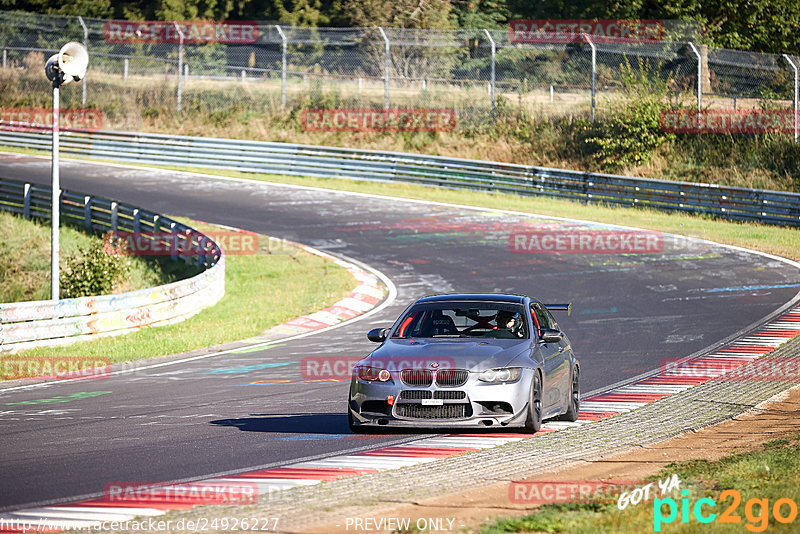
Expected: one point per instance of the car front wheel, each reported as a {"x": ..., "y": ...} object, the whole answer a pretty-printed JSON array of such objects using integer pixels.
[{"x": 533, "y": 421}]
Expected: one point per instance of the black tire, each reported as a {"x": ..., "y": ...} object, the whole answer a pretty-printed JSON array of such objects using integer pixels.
[
  {"x": 574, "y": 398},
  {"x": 533, "y": 420}
]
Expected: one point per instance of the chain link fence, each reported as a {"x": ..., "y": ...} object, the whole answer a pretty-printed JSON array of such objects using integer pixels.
[{"x": 138, "y": 71}]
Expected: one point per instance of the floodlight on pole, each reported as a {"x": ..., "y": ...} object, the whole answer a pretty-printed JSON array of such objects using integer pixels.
[{"x": 69, "y": 65}]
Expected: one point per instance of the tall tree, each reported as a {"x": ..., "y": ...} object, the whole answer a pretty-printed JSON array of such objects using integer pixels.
[
  {"x": 429, "y": 14},
  {"x": 300, "y": 12},
  {"x": 489, "y": 14}
]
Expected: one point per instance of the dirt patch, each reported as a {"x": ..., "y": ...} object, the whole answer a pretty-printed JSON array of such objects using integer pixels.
[{"x": 467, "y": 511}]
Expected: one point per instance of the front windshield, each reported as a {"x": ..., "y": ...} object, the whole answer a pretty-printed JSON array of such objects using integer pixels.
[{"x": 499, "y": 320}]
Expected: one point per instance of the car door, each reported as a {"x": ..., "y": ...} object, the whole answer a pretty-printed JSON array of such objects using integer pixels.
[
  {"x": 556, "y": 363},
  {"x": 564, "y": 379}
]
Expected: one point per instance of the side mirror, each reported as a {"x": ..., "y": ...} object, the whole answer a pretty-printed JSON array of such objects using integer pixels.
[
  {"x": 378, "y": 335},
  {"x": 548, "y": 335}
]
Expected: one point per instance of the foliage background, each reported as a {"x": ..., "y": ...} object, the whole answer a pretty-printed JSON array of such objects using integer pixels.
[{"x": 757, "y": 25}]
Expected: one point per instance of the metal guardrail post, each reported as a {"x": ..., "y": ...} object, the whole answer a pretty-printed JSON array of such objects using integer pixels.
[
  {"x": 283, "y": 66},
  {"x": 86, "y": 44},
  {"x": 386, "y": 70},
  {"x": 26, "y": 201},
  {"x": 125, "y": 70},
  {"x": 203, "y": 244},
  {"x": 494, "y": 53},
  {"x": 87, "y": 212},
  {"x": 594, "y": 71},
  {"x": 796, "y": 93},
  {"x": 5, "y": 58},
  {"x": 699, "y": 76},
  {"x": 180, "y": 61},
  {"x": 114, "y": 215},
  {"x": 174, "y": 238}
]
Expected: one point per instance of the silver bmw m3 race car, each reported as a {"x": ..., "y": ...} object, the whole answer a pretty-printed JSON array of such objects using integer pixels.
[{"x": 467, "y": 360}]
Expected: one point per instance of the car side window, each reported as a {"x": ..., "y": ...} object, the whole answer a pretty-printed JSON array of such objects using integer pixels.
[
  {"x": 543, "y": 318},
  {"x": 411, "y": 325},
  {"x": 553, "y": 323}
]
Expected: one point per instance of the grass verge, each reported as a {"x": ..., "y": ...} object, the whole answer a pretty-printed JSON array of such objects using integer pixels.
[
  {"x": 25, "y": 260},
  {"x": 760, "y": 479},
  {"x": 261, "y": 290}
]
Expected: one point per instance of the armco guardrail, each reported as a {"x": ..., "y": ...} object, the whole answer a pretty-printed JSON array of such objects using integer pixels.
[
  {"x": 772, "y": 207},
  {"x": 41, "y": 323}
]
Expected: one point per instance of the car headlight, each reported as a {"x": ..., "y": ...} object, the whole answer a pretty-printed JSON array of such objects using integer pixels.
[
  {"x": 504, "y": 374},
  {"x": 373, "y": 374}
]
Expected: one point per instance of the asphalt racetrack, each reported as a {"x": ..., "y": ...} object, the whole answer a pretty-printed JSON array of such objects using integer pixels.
[{"x": 236, "y": 412}]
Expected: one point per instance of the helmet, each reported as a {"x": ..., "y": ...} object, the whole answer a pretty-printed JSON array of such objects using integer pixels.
[
  {"x": 503, "y": 318},
  {"x": 508, "y": 320}
]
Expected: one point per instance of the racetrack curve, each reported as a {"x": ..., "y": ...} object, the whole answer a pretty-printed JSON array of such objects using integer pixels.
[{"x": 221, "y": 414}]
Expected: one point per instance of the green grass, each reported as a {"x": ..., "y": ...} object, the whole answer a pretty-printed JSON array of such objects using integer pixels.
[
  {"x": 772, "y": 472},
  {"x": 25, "y": 264},
  {"x": 261, "y": 291}
]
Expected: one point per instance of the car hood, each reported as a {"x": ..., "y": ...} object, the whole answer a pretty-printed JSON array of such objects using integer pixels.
[{"x": 475, "y": 355}]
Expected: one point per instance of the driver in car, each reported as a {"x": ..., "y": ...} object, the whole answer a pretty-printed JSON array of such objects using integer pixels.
[{"x": 509, "y": 324}]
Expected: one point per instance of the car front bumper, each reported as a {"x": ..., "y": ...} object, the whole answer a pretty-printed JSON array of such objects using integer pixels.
[{"x": 474, "y": 404}]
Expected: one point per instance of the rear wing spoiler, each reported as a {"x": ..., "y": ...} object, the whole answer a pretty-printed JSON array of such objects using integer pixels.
[{"x": 560, "y": 307}]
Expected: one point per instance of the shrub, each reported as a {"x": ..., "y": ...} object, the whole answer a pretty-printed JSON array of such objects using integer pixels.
[
  {"x": 631, "y": 132},
  {"x": 93, "y": 271},
  {"x": 630, "y": 136}
]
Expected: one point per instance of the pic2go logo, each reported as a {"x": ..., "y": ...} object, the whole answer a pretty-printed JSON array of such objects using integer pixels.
[{"x": 756, "y": 511}]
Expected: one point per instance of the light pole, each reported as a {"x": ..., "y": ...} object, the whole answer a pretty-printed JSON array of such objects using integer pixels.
[
  {"x": 180, "y": 59},
  {"x": 283, "y": 66},
  {"x": 492, "y": 79},
  {"x": 86, "y": 44},
  {"x": 68, "y": 65},
  {"x": 594, "y": 69}
]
